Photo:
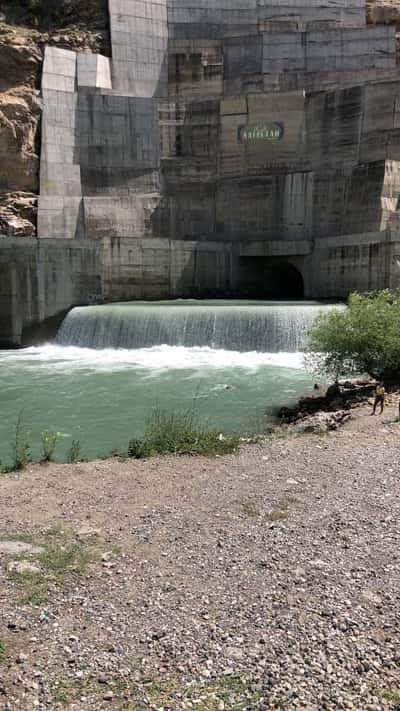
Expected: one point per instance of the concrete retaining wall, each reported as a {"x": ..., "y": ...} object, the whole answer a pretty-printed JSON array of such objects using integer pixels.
[{"x": 41, "y": 280}]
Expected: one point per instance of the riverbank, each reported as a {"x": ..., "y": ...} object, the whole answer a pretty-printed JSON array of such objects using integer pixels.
[{"x": 266, "y": 579}]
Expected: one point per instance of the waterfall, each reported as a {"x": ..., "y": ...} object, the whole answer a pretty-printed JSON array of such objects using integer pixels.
[{"x": 236, "y": 326}]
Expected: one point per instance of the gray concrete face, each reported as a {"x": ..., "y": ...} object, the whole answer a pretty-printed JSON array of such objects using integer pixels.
[
  {"x": 139, "y": 34},
  {"x": 40, "y": 280}
]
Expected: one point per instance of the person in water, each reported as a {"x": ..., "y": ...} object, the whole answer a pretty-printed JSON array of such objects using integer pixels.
[{"x": 379, "y": 397}]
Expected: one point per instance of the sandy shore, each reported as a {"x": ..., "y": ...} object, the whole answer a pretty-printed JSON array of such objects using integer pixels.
[{"x": 268, "y": 579}]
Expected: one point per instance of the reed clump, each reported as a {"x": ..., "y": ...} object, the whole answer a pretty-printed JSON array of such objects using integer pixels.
[{"x": 180, "y": 433}]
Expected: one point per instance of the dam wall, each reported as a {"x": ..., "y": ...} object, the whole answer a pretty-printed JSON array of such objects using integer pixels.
[
  {"x": 236, "y": 148},
  {"x": 40, "y": 280}
]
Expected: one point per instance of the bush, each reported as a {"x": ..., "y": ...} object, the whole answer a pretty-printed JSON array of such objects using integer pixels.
[
  {"x": 364, "y": 338},
  {"x": 179, "y": 433}
]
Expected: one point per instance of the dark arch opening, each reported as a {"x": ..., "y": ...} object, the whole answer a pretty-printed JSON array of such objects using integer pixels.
[{"x": 270, "y": 278}]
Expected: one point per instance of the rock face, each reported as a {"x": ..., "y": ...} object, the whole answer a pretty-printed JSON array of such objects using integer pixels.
[
  {"x": 383, "y": 12},
  {"x": 19, "y": 117},
  {"x": 20, "y": 66},
  {"x": 21, "y": 61},
  {"x": 18, "y": 214}
]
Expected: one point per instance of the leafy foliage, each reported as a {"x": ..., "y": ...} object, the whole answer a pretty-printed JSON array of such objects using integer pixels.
[{"x": 364, "y": 338}]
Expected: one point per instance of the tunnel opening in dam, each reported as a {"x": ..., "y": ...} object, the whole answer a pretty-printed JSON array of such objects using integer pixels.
[{"x": 270, "y": 278}]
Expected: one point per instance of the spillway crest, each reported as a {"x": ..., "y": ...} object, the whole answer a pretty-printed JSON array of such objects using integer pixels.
[{"x": 238, "y": 326}]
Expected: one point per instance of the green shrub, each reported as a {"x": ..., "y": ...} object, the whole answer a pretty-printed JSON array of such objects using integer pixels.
[
  {"x": 364, "y": 338},
  {"x": 179, "y": 433},
  {"x": 49, "y": 443},
  {"x": 35, "y": 6}
]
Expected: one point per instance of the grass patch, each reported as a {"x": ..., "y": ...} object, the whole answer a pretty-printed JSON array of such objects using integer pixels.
[
  {"x": 34, "y": 587},
  {"x": 180, "y": 433},
  {"x": 62, "y": 556},
  {"x": 281, "y": 511},
  {"x": 236, "y": 693},
  {"x": 21, "y": 537},
  {"x": 392, "y": 696},
  {"x": 249, "y": 509}
]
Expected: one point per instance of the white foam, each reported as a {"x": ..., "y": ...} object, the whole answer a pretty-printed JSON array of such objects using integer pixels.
[{"x": 157, "y": 358}]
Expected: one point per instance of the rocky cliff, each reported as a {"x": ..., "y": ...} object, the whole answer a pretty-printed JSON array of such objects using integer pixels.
[{"x": 26, "y": 26}]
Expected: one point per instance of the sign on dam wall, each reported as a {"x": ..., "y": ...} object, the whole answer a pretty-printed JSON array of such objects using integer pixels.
[
  {"x": 262, "y": 132},
  {"x": 224, "y": 148}
]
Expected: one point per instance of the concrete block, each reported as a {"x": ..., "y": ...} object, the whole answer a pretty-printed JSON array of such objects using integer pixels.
[
  {"x": 94, "y": 71},
  {"x": 59, "y": 70},
  {"x": 60, "y": 218}
]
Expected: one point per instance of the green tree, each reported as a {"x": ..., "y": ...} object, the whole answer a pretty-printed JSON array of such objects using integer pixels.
[{"x": 364, "y": 338}]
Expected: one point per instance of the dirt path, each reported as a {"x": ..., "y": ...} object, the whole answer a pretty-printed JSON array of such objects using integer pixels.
[{"x": 269, "y": 579}]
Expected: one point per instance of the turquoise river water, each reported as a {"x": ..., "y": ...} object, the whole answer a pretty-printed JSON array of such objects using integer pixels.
[{"x": 233, "y": 362}]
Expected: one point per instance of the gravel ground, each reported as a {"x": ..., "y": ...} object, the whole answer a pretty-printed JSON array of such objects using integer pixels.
[{"x": 268, "y": 579}]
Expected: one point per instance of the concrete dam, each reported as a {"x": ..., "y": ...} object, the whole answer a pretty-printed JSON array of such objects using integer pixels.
[{"x": 226, "y": 149}]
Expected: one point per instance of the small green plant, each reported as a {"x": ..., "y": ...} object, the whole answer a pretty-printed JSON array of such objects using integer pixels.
[
  {"x": 392, "y": 696},
  {"x": 180, "y": 433},
  {"x": 135, "y": 448},
  {"x": 2, "y": 652},
  {"x": 49, "y": 443},
  {"x": 60, "y": 556},
  {"x": 35, "y": 6},
  {"x": 21, "y": 450},
  {"x": 235, "y": 693},
  {"x": 75, "y": 452},
  {"x": 281, "y": 511},
  {"x": 249, "y": 509}
]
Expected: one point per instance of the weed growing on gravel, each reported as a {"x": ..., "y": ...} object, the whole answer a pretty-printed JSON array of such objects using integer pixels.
[
  {"x": 2, "y": 652},
  {"x": 34, "y": 586},
  {"x": 281, "y": 511},
  {"x": 249, "y": 509},
  {"x": 392, "y": 696},
  {"x": 62, "y": 555},
  {"x": 236, "y": 693},
  {"x": 180, "y": 433}
]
